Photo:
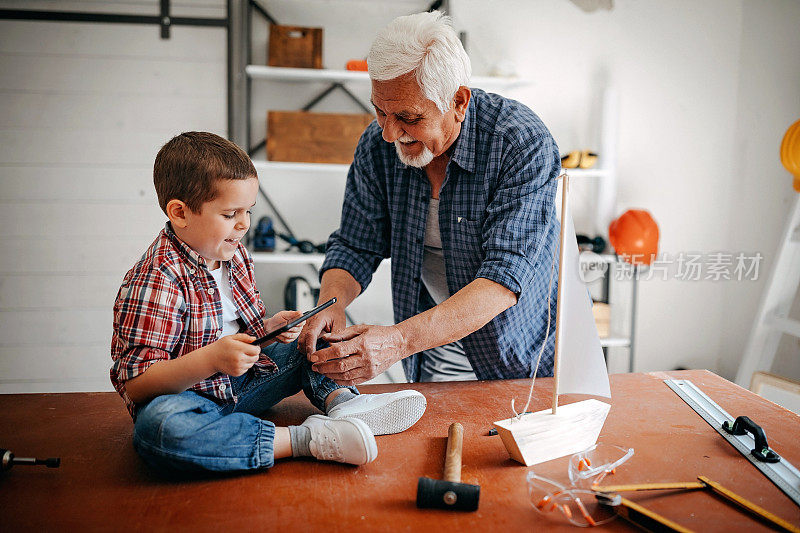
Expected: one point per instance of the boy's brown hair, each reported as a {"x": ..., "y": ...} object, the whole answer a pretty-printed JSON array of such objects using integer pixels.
[{"x": 187, "y": 166}]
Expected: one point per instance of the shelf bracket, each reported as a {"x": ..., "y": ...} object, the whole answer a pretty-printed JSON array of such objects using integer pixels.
[
  {"x": 355, "y": 99},
  {"x": 263, "y": 12},
  {"x": 317, "y": 99},
  {"x": 329, "y": 90}
]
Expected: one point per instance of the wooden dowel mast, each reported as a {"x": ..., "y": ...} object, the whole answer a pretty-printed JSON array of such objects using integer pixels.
[{"x": 561, "y": 255}]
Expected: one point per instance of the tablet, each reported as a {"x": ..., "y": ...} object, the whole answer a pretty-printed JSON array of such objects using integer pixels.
[{"x": 308, "y": 314}]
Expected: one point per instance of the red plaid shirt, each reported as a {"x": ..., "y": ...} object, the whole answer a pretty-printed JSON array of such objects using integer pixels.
[{"x": 169, "y": 305}]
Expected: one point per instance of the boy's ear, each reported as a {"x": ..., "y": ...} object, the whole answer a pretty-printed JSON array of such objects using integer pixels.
[{"x": 177, "y": 211}]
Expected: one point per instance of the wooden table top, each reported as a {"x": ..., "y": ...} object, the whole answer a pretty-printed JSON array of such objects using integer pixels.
[{"x": 102, "y": 483}]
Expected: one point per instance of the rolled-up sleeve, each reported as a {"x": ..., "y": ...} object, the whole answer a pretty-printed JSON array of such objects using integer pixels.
[
  {"x": 518, "y": 217},
  {"x": 148, "y": 322},
  {"x": 363, "y": 238}
]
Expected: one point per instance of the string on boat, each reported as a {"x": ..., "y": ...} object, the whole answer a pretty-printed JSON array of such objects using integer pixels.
[{"x": 517, "y": 415}]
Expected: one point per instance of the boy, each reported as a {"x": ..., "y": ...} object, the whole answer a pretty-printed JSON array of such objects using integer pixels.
[{"x": 184, "y": 319}]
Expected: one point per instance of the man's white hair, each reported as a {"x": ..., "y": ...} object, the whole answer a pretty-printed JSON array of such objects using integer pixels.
[{"x": 426, "y": 44}]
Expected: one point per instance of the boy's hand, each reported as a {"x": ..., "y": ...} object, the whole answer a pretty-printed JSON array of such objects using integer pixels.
[
  {"x": 280, "y": 319},
  {"x": 233, "y": 354}
]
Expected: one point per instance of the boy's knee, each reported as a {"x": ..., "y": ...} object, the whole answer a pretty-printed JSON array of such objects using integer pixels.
[
  {"x": 169, "y": 418},
  {"x": 150, "y": 418}
]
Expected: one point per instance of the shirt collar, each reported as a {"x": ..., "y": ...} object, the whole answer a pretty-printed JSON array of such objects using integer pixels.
[
  {"x": 192, "y": 257},
  {"x": 464, "y": 145}
]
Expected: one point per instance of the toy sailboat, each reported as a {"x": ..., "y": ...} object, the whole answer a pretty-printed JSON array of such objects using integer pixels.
[{"x": 579, "y": 367}]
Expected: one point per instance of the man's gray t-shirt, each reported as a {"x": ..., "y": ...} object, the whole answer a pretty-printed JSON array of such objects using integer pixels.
[{"x": 448, "y": 362}]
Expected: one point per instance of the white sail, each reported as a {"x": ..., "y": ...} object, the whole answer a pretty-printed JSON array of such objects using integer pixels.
[
  {"x": 534, "y": 438},
  {"x": 582, "y": 367}
]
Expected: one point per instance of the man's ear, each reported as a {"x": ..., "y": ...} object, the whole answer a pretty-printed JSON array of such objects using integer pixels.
[
  {"x": 461, "y": 101},
  {"x": 177, "y": 212}
]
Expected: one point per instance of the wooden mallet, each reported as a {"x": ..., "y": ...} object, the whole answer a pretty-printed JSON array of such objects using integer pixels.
[{"x": 449, "y": 493}]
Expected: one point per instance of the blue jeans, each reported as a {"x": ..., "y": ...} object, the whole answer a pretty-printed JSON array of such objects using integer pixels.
[{"x": 191, "y": 432}]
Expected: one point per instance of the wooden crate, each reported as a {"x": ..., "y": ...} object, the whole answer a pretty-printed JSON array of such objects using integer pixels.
[
  {"x": 303, "y": 136},
  {"x": 295, "y": 46}
]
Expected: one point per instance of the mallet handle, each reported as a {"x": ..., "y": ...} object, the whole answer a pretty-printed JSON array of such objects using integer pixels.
[{"x": 452, "y": 462}]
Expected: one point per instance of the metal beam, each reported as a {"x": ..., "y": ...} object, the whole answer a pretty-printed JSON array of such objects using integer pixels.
[
  {"x": 80, "y": 16},
  {"x": 165, "y": 20},
  {"x": 237, "y": 79}
]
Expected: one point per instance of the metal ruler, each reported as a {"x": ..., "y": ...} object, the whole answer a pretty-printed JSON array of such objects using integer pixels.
[{"x": 782, "y": 473}]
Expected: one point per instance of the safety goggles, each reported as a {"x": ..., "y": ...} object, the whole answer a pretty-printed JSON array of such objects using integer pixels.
[{"x": 576, "y": 503}]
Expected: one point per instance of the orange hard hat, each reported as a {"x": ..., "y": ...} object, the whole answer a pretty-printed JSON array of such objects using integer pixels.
[
  {"x": 790, "y": 152},
  {"x": 634, "y": 235}
]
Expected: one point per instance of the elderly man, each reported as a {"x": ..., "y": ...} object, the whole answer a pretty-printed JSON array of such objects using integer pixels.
[{"x": 456, "y": 185}]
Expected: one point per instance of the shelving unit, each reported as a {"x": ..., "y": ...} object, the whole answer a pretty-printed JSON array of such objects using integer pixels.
[
  {"x": 280, "y": 166},
  {"x": 288, "y": 258},
  {"x": 261, "y": 72}
]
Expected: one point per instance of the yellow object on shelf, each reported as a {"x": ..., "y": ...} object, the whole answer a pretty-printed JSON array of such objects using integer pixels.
[
  {"x": 790, "y": 152},
  {"x": 602, "y": 319},
  {"x": 579, "y": 159}
]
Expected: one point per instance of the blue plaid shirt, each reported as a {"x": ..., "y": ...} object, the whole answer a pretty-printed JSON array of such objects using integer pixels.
[{"x": 497, "y": 220}]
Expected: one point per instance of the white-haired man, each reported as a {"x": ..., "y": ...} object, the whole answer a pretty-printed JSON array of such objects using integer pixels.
[{"x": 456, "y": 186}]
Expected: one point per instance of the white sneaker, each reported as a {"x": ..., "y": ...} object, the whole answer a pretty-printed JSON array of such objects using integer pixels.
[
  {"x": 387, "y": 413},
  {"x": 344, "y": 441}
]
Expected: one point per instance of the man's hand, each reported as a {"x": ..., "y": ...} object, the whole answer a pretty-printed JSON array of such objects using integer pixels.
[
  {"x": 233, "y": 354},
  {"x": 280, "y": 319},
  {"x": 330, "y": 320},
  {"x": 359, "y": 353}
]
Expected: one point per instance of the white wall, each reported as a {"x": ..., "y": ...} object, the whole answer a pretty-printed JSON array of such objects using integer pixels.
[
  {"x": 84, "y": 109},
  {"x": 768, "y": 103},
  {"x": 706, "y": 92}
]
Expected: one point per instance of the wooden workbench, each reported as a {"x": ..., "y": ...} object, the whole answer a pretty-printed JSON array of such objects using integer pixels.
[{"x": 102, "y": 483}]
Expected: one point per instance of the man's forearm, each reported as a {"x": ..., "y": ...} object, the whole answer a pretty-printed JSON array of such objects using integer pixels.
[
  {"x": 339, "y": 283},
  {"x": 170, "y": 376},
  {"x": 466, "y": 311}
]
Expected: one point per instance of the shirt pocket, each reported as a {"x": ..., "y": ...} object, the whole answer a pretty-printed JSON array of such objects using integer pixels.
[{"x": 466, "y": 250}]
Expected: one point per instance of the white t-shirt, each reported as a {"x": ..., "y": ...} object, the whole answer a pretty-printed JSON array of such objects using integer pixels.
[
  {"x": 230, "y": 313},
  {"x": 448, "y": 362}
]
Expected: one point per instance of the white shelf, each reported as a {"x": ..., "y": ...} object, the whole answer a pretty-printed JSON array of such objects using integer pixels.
[
  {"x": 287, "y": 258},
  {"x": 290, "y": 258},
  {"x": 615, "y": 341},
  {"x": 598, "y": 258},
  {"x": 270, "y": 166},
  {"x": 261, "y": 72},
  {"x": 586, "y": 173}
]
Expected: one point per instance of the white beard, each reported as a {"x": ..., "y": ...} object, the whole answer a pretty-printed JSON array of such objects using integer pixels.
[{"x": 418, "y": 161}]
